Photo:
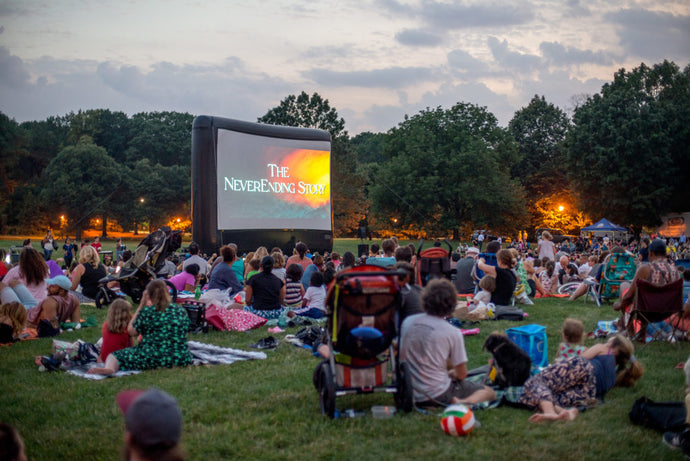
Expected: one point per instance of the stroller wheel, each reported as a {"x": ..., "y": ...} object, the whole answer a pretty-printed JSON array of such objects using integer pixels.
[
  {"x": 327, "y": 391},
  {"x": 104, "y": 297},
  {"x": 404, "y": 398}
]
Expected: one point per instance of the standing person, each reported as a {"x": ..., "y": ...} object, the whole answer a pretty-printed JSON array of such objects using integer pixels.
[
  {"x": 119, "y": 249},
  {"x": 97, "y": 243},
  {"x": 48, "y": 245},
  {"x": 68, "y": 250},
  {"x": 153, "y": 425},
  {"x": 464, "y": 283},
  {"x": 480, "y": 240},
  {"x": 163, "y": 328},
  {"x": 435, "y": 352},
  {"x": 546, "y": 248}
]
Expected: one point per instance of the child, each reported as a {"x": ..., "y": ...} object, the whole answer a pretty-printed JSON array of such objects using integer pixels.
[
  {"x": 483, "y": 298},
  {"x": 254, "y": 266},
  {"x": 294, "y": 291},
  {"x": 573, "y": 331},
  {"x": 115, "y": 335},
  {"x": 682, "y": 439},
  {"x": 12, "y": 320},
  {"x": 314, "y": 299}
]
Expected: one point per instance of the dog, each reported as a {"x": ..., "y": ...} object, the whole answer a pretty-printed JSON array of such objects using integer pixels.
[{"x": 511, "y": 364}]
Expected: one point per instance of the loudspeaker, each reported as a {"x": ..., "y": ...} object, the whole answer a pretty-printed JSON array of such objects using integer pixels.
[{"x": 362, "y": 250}]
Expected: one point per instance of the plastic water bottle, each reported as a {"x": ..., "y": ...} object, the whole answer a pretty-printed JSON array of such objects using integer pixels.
[{"x": 197, "y": 292}]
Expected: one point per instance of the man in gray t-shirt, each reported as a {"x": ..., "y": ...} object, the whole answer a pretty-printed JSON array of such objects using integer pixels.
[
  {"x": 464, "y": 283},
  {"x": 431, "y": 345}
]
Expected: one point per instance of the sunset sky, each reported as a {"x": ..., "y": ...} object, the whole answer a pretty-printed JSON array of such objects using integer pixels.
[{"x": 375, "y": 61}]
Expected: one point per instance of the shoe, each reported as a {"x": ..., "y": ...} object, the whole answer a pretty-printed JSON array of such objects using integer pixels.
[
  {"x": 676, "y": 440},
  {"x": 265, "y": 343}
]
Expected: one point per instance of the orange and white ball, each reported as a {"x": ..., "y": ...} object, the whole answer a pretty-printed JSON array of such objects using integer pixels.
[{"x": 457, "y": 420}]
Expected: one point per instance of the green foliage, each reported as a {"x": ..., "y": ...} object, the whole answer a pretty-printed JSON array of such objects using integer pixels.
[
  {"x": 539, "y": 130},
  {"x": 109, "y": 130},
  {"x": 448, "y": 168},
  {"x": 369, "y": 147},
  {"x": 629, "y": 149},
  {"x": 347, "y": 185},
  {"x": 161, "y": 137},
  {"x": 81, "y": 180}
]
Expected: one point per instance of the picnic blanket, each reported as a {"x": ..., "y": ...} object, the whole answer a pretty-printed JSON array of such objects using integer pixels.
[
  {"x": 202, "y": 354},
  {"x": 509, "y": 395}
]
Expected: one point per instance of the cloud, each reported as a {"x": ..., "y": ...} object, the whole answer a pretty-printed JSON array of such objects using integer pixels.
[
  {"x": 418, "y": 37},
  {"x": 390, "y": 77},
  {"x": 559, "y": 88},
  {"x": 558, "y": 54},
  {"x": 575, "y": 8},
  {"x": 462, "y": 60},
  {"x": 512, "y": 59},
  {"x": 13, "y": 72},
  {"x": 2, "y": 29},
  {"x": 643, "y": 33},
  {"x": 455, "y": 15}
]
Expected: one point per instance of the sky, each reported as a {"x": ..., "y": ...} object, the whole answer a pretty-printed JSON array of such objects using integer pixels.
[{"x": 374, "y": 60}]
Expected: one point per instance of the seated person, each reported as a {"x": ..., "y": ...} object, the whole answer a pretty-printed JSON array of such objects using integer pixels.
[
  {"x": 188, "y": 279},
  {"x": 314, "y": 299},
  {"x": 430, "y": 345},
  {"x": 60, "y": 305},
  {"x": 569, "y": 274},
  {"x": 223, "y": 277},
  {"x": 594, "y": 276},
  {"x": 317, "y": 266},
  {"x": 504, "y": 275},
  {"x": 12, "y": 321},
  {"x": 265, "y": 292},
  {"x": 464, "y": 283},
  {"x": 87, "y": 274},
  {"x": 25, "y": 282},
  {"x": 114, "y": 331},
  {"x": 585, "y": 269},
  {"x": 163, "y": 328},
  {"x": 411, "y": 293},
  {"x": 388, "y": 258}
]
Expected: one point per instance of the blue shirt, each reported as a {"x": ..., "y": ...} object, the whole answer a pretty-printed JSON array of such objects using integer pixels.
[
  {"x": 383, "y": 261},
  {"x": 223, "y": 277}
]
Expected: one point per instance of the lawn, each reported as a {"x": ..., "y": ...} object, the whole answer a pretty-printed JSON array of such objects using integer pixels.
[{"x": 269, "y": 409}]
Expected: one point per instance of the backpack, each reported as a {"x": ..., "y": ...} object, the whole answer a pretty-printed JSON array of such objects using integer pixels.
[
  {"x": 662, "y": 416},
  {"x": 508, "y": 313}
]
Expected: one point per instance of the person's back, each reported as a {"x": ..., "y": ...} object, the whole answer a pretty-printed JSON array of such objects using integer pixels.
[{"x": 464, "y": 283}]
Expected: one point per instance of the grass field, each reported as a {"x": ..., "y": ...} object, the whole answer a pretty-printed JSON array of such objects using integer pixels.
[{"x": 269, "y": 409}]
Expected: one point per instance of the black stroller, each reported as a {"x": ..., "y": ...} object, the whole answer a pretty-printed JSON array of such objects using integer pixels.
[
  {"x": 362, "y": 323},
  {"x": 146, "y": 262}
]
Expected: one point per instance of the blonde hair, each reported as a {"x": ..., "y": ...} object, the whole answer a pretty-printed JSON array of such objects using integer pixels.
[
  {"x": 629, "y": 368},
  {"x": 260, "y": 253},
  {"x": 16, "y": 314},
  {"x": 158, "y": 293},
  {"x": 573, "y": 331},
  {"x": 119, "y": 315},
  {"x": 488, "y": 283},
  {"x": 546, "y": 235},
  {"x": 278, "y": 260},
  {"x": 89, "y": 255}
]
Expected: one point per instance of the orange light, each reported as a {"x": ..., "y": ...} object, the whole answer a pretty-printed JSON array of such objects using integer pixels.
[
  {"x": 178, "y": 220},
  {"x": 561, "y": 208}
]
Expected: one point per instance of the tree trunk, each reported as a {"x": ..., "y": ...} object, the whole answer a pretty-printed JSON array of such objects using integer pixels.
[
  {"x": 456, "y": 234},
  {"x": 104, "y": 229},
  {"x": 77, "y": 238},
  {"x": 136, "y": 228}
]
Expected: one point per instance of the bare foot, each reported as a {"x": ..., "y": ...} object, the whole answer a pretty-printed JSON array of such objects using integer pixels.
[
  {"x": 291, "y": 314},
  {"x": 541, "y": 417},
  {"x": 100, "y": 371},
  {"x": 571, "y": 414}
]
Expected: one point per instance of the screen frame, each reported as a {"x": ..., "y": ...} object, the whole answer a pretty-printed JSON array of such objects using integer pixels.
[{"x": 204, "y": 190}]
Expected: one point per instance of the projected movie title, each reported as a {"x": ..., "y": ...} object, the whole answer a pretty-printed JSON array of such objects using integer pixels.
[{"x": 276, "y": 183}]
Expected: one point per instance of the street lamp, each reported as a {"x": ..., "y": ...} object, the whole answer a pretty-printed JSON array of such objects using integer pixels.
[{"x": 561, "y": 208}]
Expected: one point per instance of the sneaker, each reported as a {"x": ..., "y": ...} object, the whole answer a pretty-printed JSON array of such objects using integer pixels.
[{"x": 675, "y": 439}]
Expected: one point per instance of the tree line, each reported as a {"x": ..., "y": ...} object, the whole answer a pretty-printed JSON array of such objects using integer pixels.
[{"x": 624, "y": 154}]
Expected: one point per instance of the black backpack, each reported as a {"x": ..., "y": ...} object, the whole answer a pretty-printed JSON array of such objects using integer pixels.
[{"x": 662, "y": 416}]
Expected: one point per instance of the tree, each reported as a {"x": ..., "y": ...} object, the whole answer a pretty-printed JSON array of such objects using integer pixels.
[
  {"x": 109, "y": 130},
  {"x": 369, "y": 147},
  {"x": 81, "y": 181},
  {"x": 449, "y": 169},
  {"x": 161, "y": 137},
  {"x": 349, "y": 203},
  {"x": 628, "y": 152}
]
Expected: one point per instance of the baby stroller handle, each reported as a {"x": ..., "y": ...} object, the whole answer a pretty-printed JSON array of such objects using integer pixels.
[{"x": 398, "y": 272}]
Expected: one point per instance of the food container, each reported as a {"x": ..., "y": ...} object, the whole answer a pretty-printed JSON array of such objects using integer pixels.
[{"x": 382, "y": 412}]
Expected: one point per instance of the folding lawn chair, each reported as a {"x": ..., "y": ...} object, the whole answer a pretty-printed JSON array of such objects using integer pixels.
[
  {"x": 654, "y": 304},
  {"x": 618, "y": 268}
]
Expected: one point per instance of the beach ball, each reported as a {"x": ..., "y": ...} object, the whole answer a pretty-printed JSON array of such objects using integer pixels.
[{"x": 457, "y": 420}]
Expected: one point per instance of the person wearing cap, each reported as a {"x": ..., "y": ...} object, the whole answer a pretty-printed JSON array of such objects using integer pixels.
[
  {"x": 265, "y": 292},
  {"x": 464, "y": 284},
  {"x": 59, "y": 306},
  {"x": 658, "y": 271},
  {"x": 163, "y": 326},
  {"x": 153, "y": 425}
]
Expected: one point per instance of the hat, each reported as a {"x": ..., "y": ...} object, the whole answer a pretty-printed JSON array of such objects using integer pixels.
[
  {"x": 472, "y": 250},
  {"x": 61, "y": 281},
  {"x": 152, "y": 416},
  {"x": 657, "y": 246}
]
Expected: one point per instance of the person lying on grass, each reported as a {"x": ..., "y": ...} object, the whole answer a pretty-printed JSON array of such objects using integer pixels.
[
  {"x": 581, "y": 380},
  {"x": 431, "y": 345},
  {"x": 163, "y": 327}
]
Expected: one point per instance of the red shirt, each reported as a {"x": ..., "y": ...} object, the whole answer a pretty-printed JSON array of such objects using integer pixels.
[
  {"x": 96, "y": 245},
  {"x": 113, "y": 341}
]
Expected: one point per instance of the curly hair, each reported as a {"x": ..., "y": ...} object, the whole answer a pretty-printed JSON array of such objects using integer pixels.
[
  {"x": 278, "y": 260},
  {"x": 506, "y": 257},
  {"x": 158, "y": 293},
  {"x": 89, "y": 255},
  {"x": 629, "y": 368},
  {"x": 16, "y": 314},
  {"x": 32, "y": 266},
  {"x": 119, "y": 315},
  {"x": 439, "y": 298},
  {"x": 294, "y": 272}
]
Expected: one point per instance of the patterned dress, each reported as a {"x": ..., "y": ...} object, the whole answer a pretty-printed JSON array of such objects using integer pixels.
[
  {"x": 164, "y": 340},
  {"x": 566, "y": 383}
]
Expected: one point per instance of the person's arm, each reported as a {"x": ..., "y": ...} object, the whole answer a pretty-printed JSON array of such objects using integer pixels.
[
  {"x": 597, "y": 349},
  {"x": 248, "y": 296},
  {"x": 192, "y": 287},
  {"x": 130, "y": 328},
  {"x": 76, "y": 276},
  {"x": 460, "y": 371},
  {"x": 487, "y": 269},
  {"x": 283, "y": 290}
]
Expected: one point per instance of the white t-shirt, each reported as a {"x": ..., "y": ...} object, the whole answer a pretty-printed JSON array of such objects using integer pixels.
[
  {"x": 429, "y": 344},
  {"x": 316, "y": 297},
  {"x": 204, "y": 266}
]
